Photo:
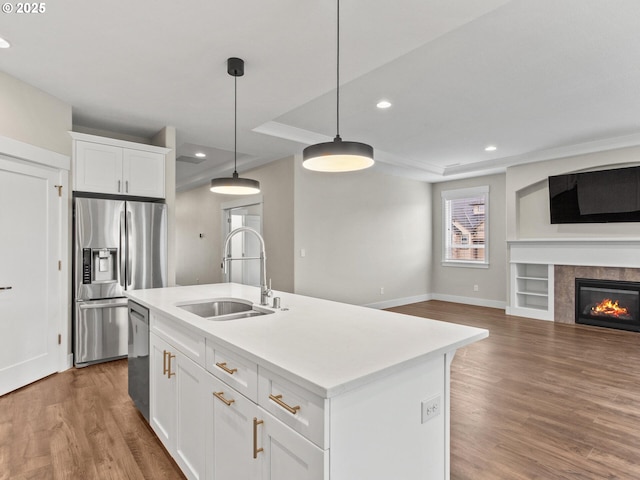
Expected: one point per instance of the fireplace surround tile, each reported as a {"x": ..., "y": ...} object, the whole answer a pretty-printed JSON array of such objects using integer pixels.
[{"x": 564, "y": 285}]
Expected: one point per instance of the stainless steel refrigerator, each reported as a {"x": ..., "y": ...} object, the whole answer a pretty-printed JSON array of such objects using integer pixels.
[{"x": 118, "y": 245}]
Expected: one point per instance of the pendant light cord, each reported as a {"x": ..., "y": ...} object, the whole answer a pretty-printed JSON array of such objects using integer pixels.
[
  {"x": 338, "y": 71},
  {"x": 235, "y": 125}
]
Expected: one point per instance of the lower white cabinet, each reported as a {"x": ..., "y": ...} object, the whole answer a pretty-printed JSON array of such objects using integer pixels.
[
  {"x": 246, "y": 442},
  {"x": 177, "y": 397},
  {"x": 394, "y": 427},
  {"x": 288, "y": 455},
  {"x": 212, "y": 431}
]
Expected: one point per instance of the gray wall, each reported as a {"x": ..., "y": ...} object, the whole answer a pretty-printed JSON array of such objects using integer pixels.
[
  {"x": 199, "y": 211},
  {"x": 456, "y": 283},
  {"x": 33, "y": 116},
  {"x": 362, "y": 231}
]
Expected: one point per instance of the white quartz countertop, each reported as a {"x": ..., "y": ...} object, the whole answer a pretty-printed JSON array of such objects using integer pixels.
[{"x": 328, "y": 347}]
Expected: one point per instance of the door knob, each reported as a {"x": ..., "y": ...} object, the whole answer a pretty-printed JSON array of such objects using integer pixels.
[{"x": 6, "y": 288}]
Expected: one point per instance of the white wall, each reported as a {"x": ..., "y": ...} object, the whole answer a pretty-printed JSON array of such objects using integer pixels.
[
  {"x": 361, "y": 231},
  {"x": 199, "y": 211},
  {"x": 456, "y": 283},
  {"x": 33, "y": 116},
  {"x": 527, "y": 196}
]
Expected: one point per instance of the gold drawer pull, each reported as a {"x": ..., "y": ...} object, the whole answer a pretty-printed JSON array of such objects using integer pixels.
[
  {"x": 169, "y": 372},
  {"x": 220, "y": 396},
  {"x": 256, "y": 450},
  {"x": 224, "y": 367},
  {"x": 164, "y": 362},
  {"x": 288, "y": 408}
]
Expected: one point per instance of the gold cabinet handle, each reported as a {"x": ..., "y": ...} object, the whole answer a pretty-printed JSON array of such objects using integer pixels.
[
  {"x": 220, "y": 396},
  {"x": 224, "y": 367},
  {"x": 256, "y": 450},
  {"x": 169, "y": 372},
  {"x": 288, "y": 408},
  {"x": 164, "y": 362}
]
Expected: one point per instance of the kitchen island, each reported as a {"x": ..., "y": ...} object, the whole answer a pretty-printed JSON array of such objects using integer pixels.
[{"x": 312, "y": 390}]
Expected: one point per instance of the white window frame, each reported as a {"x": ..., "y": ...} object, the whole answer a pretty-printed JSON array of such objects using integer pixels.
[{"x": 474, "y": 192}]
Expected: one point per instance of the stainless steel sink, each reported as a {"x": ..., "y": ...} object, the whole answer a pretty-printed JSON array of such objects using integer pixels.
[{"x": 224, "y": 309}]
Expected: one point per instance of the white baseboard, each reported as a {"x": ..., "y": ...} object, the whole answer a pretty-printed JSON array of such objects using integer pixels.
[
  {"x": 481, "y": 302},
  {"x": 396, "y": 302}
]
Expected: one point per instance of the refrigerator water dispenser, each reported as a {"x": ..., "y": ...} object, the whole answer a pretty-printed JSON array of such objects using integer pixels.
[{"x": 99, "y": 265}]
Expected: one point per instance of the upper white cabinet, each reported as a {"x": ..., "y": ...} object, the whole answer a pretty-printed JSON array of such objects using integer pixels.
[{"x": 106, "y": 165}]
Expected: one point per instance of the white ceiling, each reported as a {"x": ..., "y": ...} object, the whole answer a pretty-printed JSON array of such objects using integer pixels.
[{"x": 537, "y": 78}]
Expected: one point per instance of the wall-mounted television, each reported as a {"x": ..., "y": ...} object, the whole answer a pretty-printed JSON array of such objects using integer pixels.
[{"x": 602, "y": 196}]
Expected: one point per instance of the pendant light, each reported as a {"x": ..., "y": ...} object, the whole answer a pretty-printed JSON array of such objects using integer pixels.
[
  {"x": 235, "y": 185},
  {"x": 339, "y": 155}
]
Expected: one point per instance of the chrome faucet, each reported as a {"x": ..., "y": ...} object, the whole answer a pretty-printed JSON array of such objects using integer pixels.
[{"x": 265, "y": 291}]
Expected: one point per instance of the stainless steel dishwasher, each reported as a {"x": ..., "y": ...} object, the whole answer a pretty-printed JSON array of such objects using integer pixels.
[{"x": 139, "y": 357}]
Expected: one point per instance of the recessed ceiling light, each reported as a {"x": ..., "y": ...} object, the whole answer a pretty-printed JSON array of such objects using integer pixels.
[
  {"x": 201, "y": 155},
  {"x": 490, "y": 148},
  {"x": 4, "y": 43},
  {"x": 383, "y": 104}
]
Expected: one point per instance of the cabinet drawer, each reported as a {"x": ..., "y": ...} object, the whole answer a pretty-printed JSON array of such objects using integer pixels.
[
  {"x": 303, "y": 411},
  {"x": 233, "y": 369},
  {"x": 189, "y": 343}
]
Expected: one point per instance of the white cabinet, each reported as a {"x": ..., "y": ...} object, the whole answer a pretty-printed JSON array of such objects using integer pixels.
[
  {"x": 97, "y": 168},
  {"x": 143, "y": 173},
  {"x": 231, "y": 435},
  {"x": 162, "y": 395},
  {"x": 288, "y": 455},
  {"x": 229, "y": 417},
  {"x": 246, "y": 443},
  {"x": 104, "y": 165},
  {"x": 178, "y": 400}
]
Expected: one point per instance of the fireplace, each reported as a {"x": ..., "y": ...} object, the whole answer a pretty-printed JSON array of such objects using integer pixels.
[{"x": 608, "y": 303}]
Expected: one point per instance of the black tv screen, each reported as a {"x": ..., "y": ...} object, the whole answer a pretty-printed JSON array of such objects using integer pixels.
[{"x": 596, "y": 197}]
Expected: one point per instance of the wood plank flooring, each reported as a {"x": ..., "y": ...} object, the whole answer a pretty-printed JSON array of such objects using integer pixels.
[
  {"x": 540, "y": 400},
  {"x": 79, "y": 425},
  {"x": 535, "y": 400}
]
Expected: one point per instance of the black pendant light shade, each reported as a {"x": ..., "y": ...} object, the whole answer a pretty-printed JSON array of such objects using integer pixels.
[
  {"x": 339, "y": 155},
  {"x": 235, "y": 185}
]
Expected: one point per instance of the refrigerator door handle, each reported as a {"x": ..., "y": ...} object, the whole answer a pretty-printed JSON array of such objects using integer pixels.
[
  {"x": 123, "y": 252},
  {"x": 112, "y": 304},
  {"x": 129, "y": 249}
]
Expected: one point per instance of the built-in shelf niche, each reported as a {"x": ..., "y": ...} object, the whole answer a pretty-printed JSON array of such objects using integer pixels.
[{"x": 530, "y": 290}]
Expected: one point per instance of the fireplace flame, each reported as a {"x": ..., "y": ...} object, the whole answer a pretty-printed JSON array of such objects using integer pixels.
[{"x": 610, "y": 308}]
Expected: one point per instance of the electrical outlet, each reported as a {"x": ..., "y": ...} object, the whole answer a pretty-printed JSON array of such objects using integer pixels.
[
  {"x": 475, "y": 288},
  {"x": 381, "y": 290},
  {"x": 430, "y": 408}
]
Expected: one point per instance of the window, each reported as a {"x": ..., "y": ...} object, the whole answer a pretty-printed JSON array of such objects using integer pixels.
[{"x": 465, "y": 226}]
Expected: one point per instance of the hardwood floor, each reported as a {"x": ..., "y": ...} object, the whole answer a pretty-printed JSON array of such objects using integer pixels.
[
  {"x": 539, "y": 400},
  {"x": 79, "y": 425},
  {"x": 535, "y": 400}
]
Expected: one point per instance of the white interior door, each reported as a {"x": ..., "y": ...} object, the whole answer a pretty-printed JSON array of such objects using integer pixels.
[{"x": 29, "y": 278}]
